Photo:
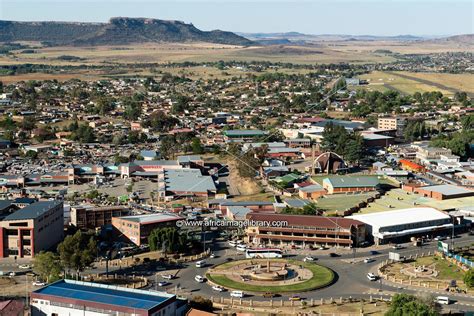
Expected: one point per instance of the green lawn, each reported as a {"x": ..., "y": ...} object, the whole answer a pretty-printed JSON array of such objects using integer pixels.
[
  {"x": 446, "y": 270},
  {"x": 322, "y": 276}
]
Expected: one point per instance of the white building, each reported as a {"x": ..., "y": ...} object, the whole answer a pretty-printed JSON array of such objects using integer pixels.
[
  {"x": 400, "y": 225},
  {"x": 74, "y": 298}
]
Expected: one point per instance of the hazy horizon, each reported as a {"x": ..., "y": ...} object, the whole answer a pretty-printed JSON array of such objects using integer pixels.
[{"x": 319, "y": 17}]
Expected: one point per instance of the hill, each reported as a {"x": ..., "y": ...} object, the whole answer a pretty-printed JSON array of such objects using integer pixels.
[{"x": 117, "y": 31}]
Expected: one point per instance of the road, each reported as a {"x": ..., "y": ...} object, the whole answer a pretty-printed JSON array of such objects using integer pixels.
[{"x": 351, "y": 280}]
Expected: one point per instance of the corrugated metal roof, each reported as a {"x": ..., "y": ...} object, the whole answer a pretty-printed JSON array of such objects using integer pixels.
[
  {"x": 33, "y": 210},
  {"x": 103, "y": 294}
]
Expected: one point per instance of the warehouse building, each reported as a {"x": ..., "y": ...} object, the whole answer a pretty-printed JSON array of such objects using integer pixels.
[
  {"x": 38, "y": 226},
  {"x": 335, "y": 185},
  {"x": 440, "y": 192},
  {"x": 400, "y": 225},
  {"x": 68, "y": 297},
  {"x": 184, "y": 183},
  {"x": 305, "y": 231}
]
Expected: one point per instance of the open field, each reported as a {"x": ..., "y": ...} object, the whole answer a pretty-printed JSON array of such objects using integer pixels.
[
  {"x": 410, "y": 82},
  {"x": 341, "y": 202},
  {"x": 320, "y": 52}
]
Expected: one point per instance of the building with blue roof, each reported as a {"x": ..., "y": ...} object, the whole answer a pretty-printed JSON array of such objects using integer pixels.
[{"x": 68, "y": 297}]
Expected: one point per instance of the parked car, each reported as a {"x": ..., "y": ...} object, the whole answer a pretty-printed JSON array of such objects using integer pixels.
[
  {"x": 368, "y": 260},
  {"x": 24, "y": 266},
  {"x": 38, "y": 283},
  {"x": 213, "y": 255},
  {"x": 168, "y": 276},
  {"x": 163, "y": 283},
  {"x": 333, "y": 255},
  {"x": 374, "y": 252},
  {"x": 199, "y": 279},
  {"x": 308, "y": 259},
  {"x": 397, "y": 246}
]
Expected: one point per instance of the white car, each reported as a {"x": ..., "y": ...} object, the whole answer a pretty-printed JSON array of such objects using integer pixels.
[
  {"x": 308, "y": 259},
  {"x": 368, "y": 260},
  {"x": 168, "y": 276},
  {"x": 213, "y": 255},
  {"x": 439, "y": 238},
  {"x": 199, "y": 279},
  {"x": 371, "y": 276},
  {"x": 163, "y": 283},
  {"x": 218, "y": 288},
  {"x": 443, "y": 300},
  {"x": 24, "y": 266},
  {"x": 397, "y": 247},
  {"x": 38, "y": 283}
]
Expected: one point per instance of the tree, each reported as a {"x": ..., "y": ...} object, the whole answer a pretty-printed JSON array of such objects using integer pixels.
[
  {"x": 355, "y": 149},
  {"x": 469, "y": 278},
  {"x": 169, "y": 239},
  {"x": 467, "y": 122},
  {"x": 47, "y": 266},
  {"x": 201, "y": 303},
  {"x": 196, "y": 146},
  {"x": 28, "y": 123},
  {"x": 405, "y": 304},
  {"x": 308, "y": 209},
  {"x": 77, "y": 251}
]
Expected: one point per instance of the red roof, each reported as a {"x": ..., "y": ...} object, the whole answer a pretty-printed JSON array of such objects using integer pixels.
[
  {"x": 411, "y": 164},
  {"x": 306, "y": 220}
]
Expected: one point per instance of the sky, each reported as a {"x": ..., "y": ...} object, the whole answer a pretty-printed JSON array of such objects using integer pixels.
[{"x": 355, "y": 17}]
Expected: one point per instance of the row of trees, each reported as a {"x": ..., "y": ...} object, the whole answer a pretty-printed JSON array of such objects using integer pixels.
[
  {"x": 168, "y": 239},
  {"x": 349, "y": 145}
]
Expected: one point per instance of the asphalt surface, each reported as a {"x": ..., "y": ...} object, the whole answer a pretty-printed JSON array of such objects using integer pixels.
[{"x": 351, "y": 275}]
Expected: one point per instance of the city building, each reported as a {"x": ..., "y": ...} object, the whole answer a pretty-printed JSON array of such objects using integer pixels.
[
  {"x": 243, "y": 135},
  {"x": 38, "y": 226},
  {"x": 92, "y": 217},
  {"x": 305, "y": 231},
  {"x": 400, "y": 225},
  {"x": 392, "y": 123},
  {"x": 182, "y": 183},
  {"x": 137, "y": 228},
  {"x": 347, "y": 184},
  {"x": 411, "y": 166},
  {"x": 439, "y": 192},
  {"x": 74, "y": 298}
]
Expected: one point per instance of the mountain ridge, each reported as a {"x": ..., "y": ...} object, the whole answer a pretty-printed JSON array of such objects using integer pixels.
[{"x": 118, "y": 31}]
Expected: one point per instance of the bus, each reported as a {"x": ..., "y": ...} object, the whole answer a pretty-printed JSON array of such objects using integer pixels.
[{"x": 263, "y": 253}]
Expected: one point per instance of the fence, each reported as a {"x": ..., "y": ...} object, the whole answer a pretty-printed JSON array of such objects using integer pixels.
[
  {"x": 221, "y": 302},
  {"x": 427, "y": 284}
]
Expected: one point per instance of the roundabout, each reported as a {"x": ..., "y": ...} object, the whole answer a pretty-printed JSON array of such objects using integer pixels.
[{"x": 270, "y": 275}]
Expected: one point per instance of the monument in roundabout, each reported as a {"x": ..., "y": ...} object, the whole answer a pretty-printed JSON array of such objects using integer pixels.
[{"x": 270, "y": 275}]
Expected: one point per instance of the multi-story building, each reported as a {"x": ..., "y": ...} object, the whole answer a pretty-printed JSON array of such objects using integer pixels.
[
  {"x": 68, "y": 297},
  {"x": 92, "y": 217},
  {"x": 305, "y": 230},
  {"x": 392, "y": 123},
  {"x": 137, "y": 228},
  {"x": 38, "y": 226}
]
